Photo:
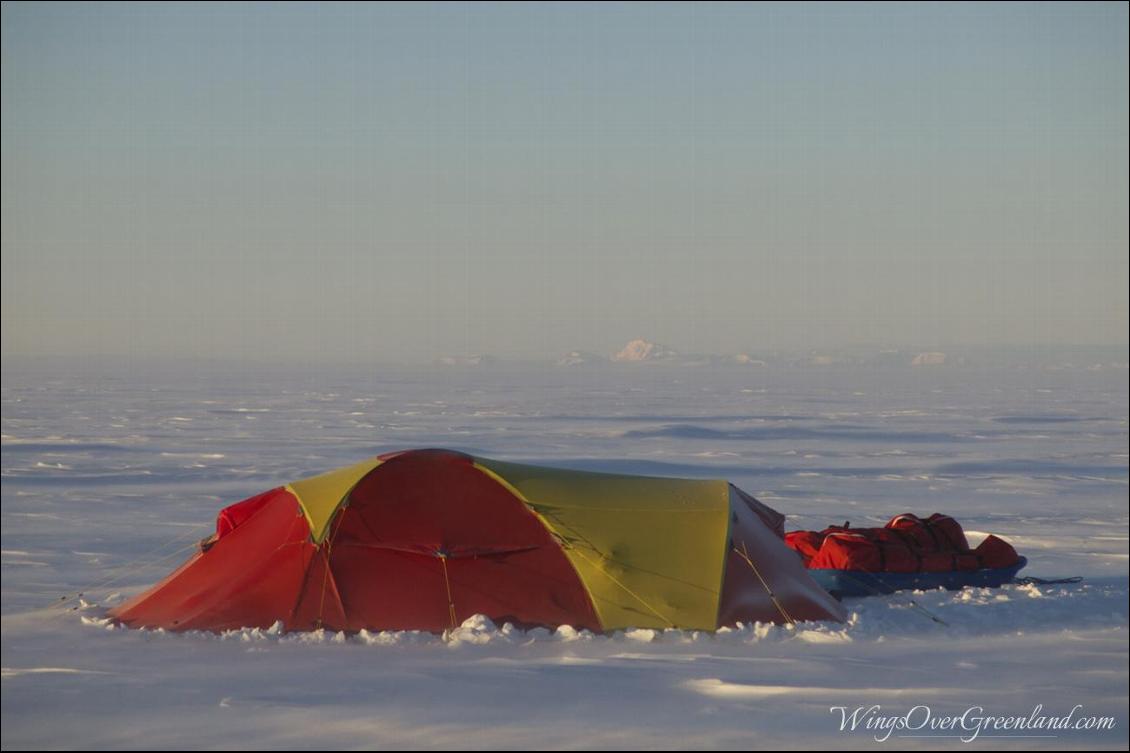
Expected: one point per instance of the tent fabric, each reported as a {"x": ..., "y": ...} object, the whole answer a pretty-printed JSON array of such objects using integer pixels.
[
  {"x": 423, "y": 539},
  {"x": 650, "y": 550},
  {"x": 321, "y": 496}
]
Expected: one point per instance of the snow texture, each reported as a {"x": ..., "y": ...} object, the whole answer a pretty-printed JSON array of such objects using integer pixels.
[{"x": 109, "y": 475}]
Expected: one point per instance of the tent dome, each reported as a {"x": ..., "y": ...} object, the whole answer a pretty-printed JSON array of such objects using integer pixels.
[{"x": 423, "y": 539}]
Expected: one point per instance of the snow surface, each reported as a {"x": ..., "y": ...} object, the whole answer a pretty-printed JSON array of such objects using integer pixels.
[{"x": 108, "y": 471}]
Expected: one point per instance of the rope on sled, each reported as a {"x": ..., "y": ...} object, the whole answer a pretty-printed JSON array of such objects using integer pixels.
[
  {"x": 1033, "y": 581},
  {"x": 926, "y": 612},
  {"x": 893, "y": 592}
]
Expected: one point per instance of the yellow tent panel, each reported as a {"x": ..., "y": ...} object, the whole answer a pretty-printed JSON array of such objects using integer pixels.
[
  {"x": 321, "y": 496},
  {"x": 650, "y": 551}
]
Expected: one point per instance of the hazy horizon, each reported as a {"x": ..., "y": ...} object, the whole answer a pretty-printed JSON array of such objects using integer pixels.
[
  {"x": 413, "y": 180},
  {"x": 1107, "y": 359}
]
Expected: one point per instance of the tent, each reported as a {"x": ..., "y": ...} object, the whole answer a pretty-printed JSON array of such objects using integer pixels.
[{"x": 424, "y": 539}]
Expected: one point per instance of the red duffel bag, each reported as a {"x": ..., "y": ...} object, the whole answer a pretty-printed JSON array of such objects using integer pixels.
[{"x": 906, "y": 544}]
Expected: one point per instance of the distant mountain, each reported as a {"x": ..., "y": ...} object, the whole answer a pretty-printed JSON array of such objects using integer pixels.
[
  {"x": 879, "y": 356},
  {"x": 932, "y": 358},
  {"x": 642, "y": 350},
  {"x": 645, "y": 351}
]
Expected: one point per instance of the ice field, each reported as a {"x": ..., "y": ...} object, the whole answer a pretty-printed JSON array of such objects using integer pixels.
[{"x": 110, "y": 471}]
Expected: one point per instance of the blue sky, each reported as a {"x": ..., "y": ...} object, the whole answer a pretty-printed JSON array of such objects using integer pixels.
[{"x": 405, "y": 181}]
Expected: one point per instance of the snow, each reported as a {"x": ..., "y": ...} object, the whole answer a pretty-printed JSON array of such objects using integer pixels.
[{"x": 110, "y": 474}]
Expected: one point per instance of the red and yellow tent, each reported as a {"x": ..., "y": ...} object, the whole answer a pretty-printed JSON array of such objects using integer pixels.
[{"x": 423, "y": 539}]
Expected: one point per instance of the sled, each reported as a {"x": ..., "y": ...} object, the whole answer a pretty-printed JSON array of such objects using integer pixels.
[{"x": 850, "y": 583}]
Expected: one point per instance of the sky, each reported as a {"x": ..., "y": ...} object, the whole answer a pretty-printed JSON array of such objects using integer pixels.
[{"x": 401, "y": 182}]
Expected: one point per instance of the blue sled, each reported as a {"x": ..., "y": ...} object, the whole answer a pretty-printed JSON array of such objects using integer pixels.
[{"x": 841, "y": 583}]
